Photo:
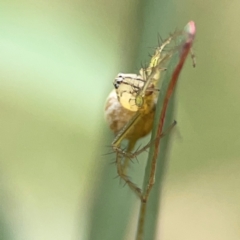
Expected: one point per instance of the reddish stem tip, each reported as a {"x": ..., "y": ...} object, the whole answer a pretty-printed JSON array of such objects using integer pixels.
[{"x": 190, "y": 28}]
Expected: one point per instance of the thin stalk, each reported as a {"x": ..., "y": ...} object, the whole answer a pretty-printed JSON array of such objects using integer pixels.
[{"x": 173, "y": 71}]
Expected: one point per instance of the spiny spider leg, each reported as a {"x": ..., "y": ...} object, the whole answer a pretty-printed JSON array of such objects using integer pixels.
[
  {"x": 193, "y": 57},
  {"x": 127, "y": 155},
  {"x": 132, "y": 155},
  {"x": 123, "y": 176}
]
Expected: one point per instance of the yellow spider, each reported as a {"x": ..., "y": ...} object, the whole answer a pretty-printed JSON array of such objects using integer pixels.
[{"x": 130, "y": 108}]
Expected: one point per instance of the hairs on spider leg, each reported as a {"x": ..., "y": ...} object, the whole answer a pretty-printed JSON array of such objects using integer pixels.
[
  {"x": 175, "y": 33},
  {"x": 140, "y": 145},
  {"x": 124, "y": 184},
  {"x": 193, "y": 57},
  {"x": 143, "y": 65},
  {"x": 124, "y": 149},
  {"x": 136, "y": 159},
  {"x": 108, "y": 146},
  {"x": 128, "y": 179},
  {"x": 131, "y": 160},
  {"x": 113, "y": 161},
  {"x": 150, "y": 55},
  {"x": 105, "y": 154},
  {"x": 135, "y": 156},
  {"x": 116, "y": 177},
  {"x": 160, "y": 40},
  {"x": 129, "y": 165},
  {"x": 146, "y": 150}
]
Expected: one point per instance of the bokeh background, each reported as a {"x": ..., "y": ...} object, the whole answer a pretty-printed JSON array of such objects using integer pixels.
[{"x": 57, "y": 62}]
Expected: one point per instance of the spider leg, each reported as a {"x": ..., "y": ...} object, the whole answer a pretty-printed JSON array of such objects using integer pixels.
[
  {"x": 126, "y": 161},
  {"x": 125, "y": 178},
  {"x": 193, "y": 57},
  {"x": 132, "y": 155},
  {"x": 123, "y": 133}
]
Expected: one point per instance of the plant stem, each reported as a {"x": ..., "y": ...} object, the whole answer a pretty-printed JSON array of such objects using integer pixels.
[{"x": 173, "y": 71}]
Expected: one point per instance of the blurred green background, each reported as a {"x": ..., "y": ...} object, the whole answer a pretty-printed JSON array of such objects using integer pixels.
[{"x": 57, "y": 63}]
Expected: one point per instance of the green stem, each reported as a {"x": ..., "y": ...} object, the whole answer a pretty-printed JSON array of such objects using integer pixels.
[{"x": 173, "y": 71}]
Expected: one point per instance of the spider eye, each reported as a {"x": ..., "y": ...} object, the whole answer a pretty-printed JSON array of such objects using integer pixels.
[
  {"x": 116, "y": 85},
  {"x": 118, "y": 80}
]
